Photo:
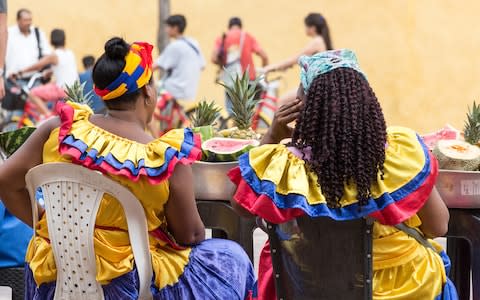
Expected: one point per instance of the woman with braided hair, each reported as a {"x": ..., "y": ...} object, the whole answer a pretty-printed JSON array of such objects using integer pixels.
[{"x": 344, "y": 163}]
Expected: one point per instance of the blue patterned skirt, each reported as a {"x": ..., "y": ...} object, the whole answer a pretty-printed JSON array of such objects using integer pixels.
[
  {"x": 217, "y": 269},
  {"x": 449, "y": 292}
]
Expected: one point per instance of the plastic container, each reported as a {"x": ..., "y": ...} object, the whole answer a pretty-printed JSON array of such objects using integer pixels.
[
  {"x": 212, "y": 182},
  {"x": 459, "y": 189}
]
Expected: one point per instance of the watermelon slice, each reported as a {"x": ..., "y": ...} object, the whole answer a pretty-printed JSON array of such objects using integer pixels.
[
  {"x": 446, "y": 133},
  {"x": 226, "y": 149},
  {"x": 206, "y": 133},
  {"x": 10, "y": 141}
]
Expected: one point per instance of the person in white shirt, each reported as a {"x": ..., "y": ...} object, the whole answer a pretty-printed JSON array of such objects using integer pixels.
[
  {"x": 64, "y": 69},
  {"x": 23, "y": 46},
  {"x": 181, "y": 62}
]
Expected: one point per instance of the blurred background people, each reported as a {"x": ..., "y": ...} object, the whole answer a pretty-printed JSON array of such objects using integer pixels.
[
  {"x": 96, "y": 102},
  {"x": 26, "y": 44},
  {"x": 316, "y": 27},
  {"x": 64, "y": 68},
  {"x": 233, "y": 53},
  {"x": 182, "y": 61}
]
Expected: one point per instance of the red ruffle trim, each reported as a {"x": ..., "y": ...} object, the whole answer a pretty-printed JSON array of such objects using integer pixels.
[
  {"x": 260, "y": 205},
  {"x": 405, "y": 208},
  {"x": 67, "y": 113}
]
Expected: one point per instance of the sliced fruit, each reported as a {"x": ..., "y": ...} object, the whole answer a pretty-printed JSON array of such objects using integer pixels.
[
  {"x": 225, "y": 149},
  {"x": 446, "y": 133},
  {"x": 10, "y": 141},
  {"x": 206, "y": 132},
  {"x": 457, "y": 155}
]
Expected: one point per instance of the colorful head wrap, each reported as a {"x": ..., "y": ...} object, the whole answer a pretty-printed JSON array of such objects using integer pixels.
[
  {"x": 324, "y": 62},
  {"x": 137, "y": 73}
]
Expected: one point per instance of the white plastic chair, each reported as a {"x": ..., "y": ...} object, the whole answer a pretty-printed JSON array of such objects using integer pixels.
[{"x": 72, "y": 197}]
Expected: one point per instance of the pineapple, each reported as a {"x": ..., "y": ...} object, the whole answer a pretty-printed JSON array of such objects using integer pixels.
[
  {"x": 242, "y": 94},
  {"x": 472, "y": 125},
  {"x": 203, "y": 119},
  {"x": 205, "y": 114},
  {"x": 75, "y": 93}
]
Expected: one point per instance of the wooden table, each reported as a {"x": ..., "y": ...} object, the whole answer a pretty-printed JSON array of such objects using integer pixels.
[{"x": 463, "y": 247}]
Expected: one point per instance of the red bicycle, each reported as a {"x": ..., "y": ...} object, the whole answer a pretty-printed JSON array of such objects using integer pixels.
[
  {"x": 27, "y": 117},
  {"x": 169, "y": 114},
  {"x": 268, "y": 105}
]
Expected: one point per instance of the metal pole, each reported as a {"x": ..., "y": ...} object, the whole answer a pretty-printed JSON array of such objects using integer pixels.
[{"x": 164, "y": 12}]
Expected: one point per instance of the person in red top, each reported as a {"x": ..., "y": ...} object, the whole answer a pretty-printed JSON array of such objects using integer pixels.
[{"x": 234, "y": 52}]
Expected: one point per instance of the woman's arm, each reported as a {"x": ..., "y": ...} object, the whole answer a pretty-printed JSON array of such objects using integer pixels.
[
  {"x": 181, "y": 209},
  {"x": 311, "y": 48},
  {"x": 263, "y": 55},
  {"x": 51, "y": 59},
  {"x": 434, "y": 215},
  {"x": 13, "y": 191}
]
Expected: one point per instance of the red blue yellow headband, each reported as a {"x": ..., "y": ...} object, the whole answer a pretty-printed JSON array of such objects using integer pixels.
[{"x": 136, "y": 73}]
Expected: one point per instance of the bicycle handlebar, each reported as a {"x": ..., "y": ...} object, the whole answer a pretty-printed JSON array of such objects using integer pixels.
[{"x": 34, "y": 78}]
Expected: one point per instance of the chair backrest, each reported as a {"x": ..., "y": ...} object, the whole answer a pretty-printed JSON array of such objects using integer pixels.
[
  {"x": 322, "y": 259},
  {"x": 13, "y": 279},
  {"x": 72, "y": 196}
]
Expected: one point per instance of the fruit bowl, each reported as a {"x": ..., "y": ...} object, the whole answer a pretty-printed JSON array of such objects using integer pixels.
[
  {"x": 459, "y": 189},
  {"x": 211, "y": 180}
]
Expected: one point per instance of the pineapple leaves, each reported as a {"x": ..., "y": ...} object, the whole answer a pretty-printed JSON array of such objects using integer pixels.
[
  {"x": 75, "y": 93},
  {"x": 472, "y": 125},
  {"x": 242, "y": 94},
  {"x": 205, "y": 114}
]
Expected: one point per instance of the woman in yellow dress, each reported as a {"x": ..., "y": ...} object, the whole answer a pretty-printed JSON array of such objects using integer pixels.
[
  {"x": 157, "y": 171},
  {"x": 344, "y": 163}
]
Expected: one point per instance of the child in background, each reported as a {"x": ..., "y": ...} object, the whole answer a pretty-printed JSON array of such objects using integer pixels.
[{"x": 96, "y": 102}]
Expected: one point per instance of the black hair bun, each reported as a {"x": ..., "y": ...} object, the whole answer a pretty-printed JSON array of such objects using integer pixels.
[{"x": 116, "y": 48}]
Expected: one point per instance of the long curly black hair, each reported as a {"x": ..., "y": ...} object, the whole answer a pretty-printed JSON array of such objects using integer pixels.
[{"x": 343, "y": 124}]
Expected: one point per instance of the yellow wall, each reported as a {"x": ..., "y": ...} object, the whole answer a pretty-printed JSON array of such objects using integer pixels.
[{"x": 421, "y": 56}]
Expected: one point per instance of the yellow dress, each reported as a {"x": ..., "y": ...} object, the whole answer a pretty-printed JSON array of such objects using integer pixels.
[
  {"x": 126, "y": 162},
  {"x": 274, "y": 183}
]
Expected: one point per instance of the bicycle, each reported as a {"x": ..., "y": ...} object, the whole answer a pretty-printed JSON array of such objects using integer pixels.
[
  {"x": 266, "y": 108},
  {"x": 29, "y": 115},
  {"x": 268, "y": 105},
  {"x": 171, "y": 114}
]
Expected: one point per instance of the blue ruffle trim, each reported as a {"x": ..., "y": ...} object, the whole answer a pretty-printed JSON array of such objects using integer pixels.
[
  {"x": 350, "y": 212},
  {"x": 134, "y": 167}
]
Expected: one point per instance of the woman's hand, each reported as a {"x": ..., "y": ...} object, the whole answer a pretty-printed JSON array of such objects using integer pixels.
[{"x": 280, "y": 129}]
